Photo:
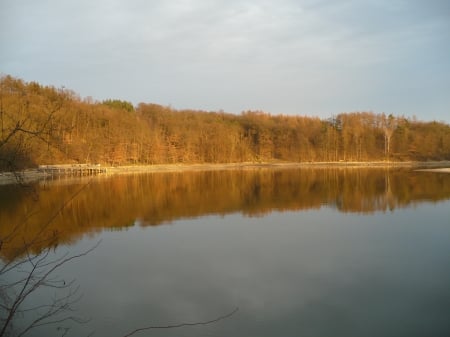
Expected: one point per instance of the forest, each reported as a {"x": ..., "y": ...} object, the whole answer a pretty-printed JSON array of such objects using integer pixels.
[{"x": 48, "y": 125}]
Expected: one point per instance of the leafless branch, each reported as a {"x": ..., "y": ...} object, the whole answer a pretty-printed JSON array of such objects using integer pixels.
[
  {"x": 12, "y": 264},
  {"x": 179, "y": 325},
  {"x": 37, "y": 277}
]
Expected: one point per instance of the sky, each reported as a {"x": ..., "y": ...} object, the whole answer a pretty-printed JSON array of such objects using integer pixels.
[{"x": 304, "y": 57}]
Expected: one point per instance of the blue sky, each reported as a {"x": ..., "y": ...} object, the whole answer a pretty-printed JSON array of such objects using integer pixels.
[{"x": 314, "y": 58}]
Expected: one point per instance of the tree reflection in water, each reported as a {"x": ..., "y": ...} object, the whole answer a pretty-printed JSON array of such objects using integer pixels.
[{"x": 117, "y": 202}]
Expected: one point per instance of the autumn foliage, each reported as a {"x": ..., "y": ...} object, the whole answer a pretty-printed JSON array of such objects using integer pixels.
[{"x": 113, "y": 132}]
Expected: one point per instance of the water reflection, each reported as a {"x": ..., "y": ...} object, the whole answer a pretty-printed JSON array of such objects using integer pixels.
[
  {"x": 318, "y": 266},
  {"x": 314, "y": 273},
  {"x": 119, "y": 202}
]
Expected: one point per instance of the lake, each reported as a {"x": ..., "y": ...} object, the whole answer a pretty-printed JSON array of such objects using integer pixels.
[{"x": 299, "y": 252}]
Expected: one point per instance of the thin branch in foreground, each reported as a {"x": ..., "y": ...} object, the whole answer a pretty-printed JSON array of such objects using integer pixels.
[
  {"x": 36, "y": 279},
  {"x": 183, "y": 324},
  {"x": 11, "y": 264}
]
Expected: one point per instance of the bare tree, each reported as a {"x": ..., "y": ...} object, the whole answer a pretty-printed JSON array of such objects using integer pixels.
[
  {"x": 389, "y": 126},
  {"x": 24, "y": 279},
  {"x": 26, "y": 118},
  {"x": 30, "y": 271}
]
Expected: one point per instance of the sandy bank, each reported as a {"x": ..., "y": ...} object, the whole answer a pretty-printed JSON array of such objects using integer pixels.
[
  {"x": 442, "y": 169},
  {"x": 31, "y": 175}
]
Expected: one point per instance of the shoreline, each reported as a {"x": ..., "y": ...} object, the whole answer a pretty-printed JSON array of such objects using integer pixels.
[{"x": 32, "y": 175}]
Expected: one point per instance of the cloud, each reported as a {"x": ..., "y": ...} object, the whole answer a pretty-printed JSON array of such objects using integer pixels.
[{"x": 281, "y": 56}]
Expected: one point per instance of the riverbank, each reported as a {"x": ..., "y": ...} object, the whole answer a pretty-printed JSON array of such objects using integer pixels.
[
  {"x": 31, "y": 175},
  {"x": 442, "y": 169}
]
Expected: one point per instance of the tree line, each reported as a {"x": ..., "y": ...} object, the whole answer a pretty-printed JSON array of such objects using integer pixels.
[{"x": 47, "y": 125}]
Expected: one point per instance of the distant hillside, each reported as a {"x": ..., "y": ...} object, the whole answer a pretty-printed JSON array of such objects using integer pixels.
[{"x": 47, "y": 125}]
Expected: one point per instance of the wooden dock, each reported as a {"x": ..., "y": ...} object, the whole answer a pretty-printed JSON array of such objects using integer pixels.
[{"x": 72, "y": 169}]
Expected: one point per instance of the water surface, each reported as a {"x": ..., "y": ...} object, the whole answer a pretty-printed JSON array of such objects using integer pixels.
[{"x": 341, "y": 252}]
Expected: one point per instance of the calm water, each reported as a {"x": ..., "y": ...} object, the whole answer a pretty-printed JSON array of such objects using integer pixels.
[{"x": 343, "y": 252}]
